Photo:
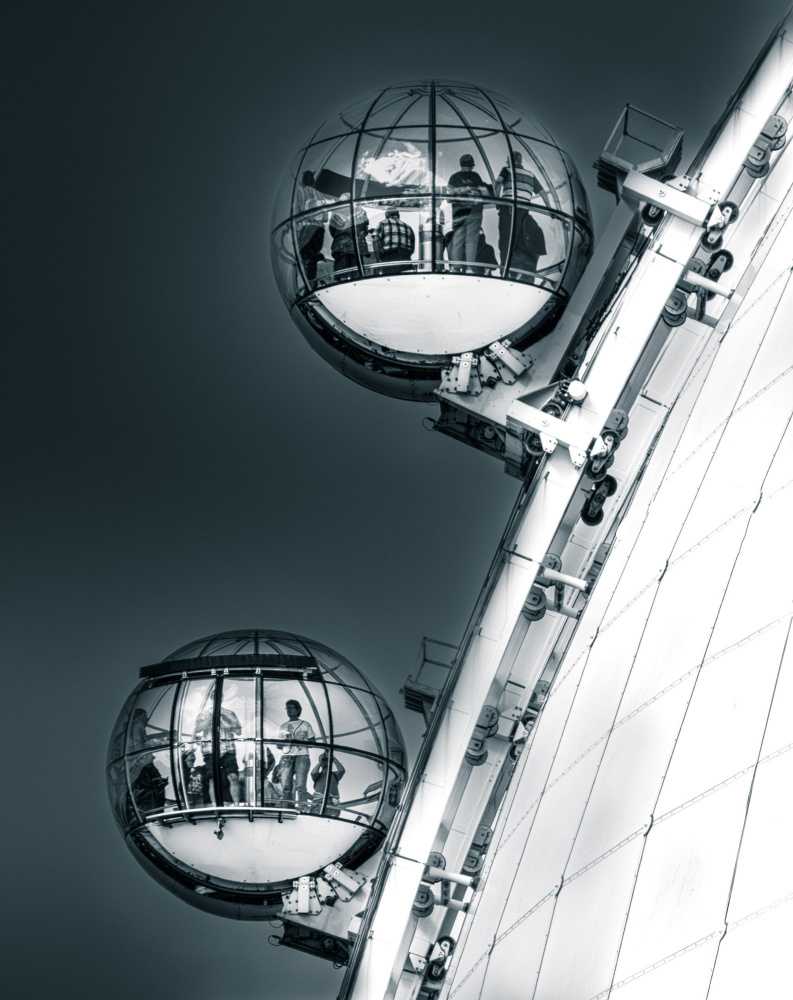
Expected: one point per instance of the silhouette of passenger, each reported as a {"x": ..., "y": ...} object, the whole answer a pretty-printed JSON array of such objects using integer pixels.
[
  {"x": 322, "y": 776},
  {"x": 467, "y": 215},
  {"x": 195, "y": 779},
  {"x": 148, "y": 785},
  {"x": 349, "y": 231},
  {"x": 270, "y": 775},
  {"x": 294, "y": 764},
  {"x": 228, "y": 731},
  {"x": 485, "y": 255},
  {"x": 311, "y": 228},
  {"x": 396, "y": 240},
  {"x": 529, "y": 242}
]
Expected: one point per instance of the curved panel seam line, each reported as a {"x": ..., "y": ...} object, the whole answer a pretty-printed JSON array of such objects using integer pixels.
[
  {"x": 754, "y": 777},
  {"x": 699, "y": 672},
  {"x": 743, "y": 920},
  {"x": 587, "y": 651},
  {"x": 498, "y": 938},
  {"x": 503, "y": 843}
]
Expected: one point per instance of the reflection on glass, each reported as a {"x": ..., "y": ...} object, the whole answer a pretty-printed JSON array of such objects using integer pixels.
[
  {"x": 268, "y": 776},
  {"x": 361, "y": 788},
  {"x": 262, "y": 737},
  {"x": 151, "y": 717},
  {"x": 149, "y": 778},
  {"x": 521, "y": 229},
  {"x": 226, "y": 729},
  {"x": 118, "y": 737},
  {"x": 465, "y": 106},
  {"x": 428, "y": 177},
  {"x": 287, "y": 273},
  {"x": 327, "y": 169},
  {"x": 196, "y": 779},
  {"x": 389, "y": 164},
  {"x": 197, "y": 703},
  {"x": 349, "y": 229},
  {"x": 311, "y": 236},
  {"x": 400, "y": 108},
  {"x": 119, "y": 795},
  {"x": 325, "y": 777},
  {"x": 356, "y": 720},
  {"x": 345, "y": 121}
]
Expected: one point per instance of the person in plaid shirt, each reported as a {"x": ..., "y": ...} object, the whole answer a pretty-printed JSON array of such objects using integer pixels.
[{"x": 396, "y": 240}]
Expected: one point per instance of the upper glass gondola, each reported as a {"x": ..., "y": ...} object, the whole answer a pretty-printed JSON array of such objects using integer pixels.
[{"x": 427, "y": 220}]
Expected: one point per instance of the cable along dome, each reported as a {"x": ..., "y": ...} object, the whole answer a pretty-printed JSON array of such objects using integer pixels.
[{"x": 425, "y": 221}]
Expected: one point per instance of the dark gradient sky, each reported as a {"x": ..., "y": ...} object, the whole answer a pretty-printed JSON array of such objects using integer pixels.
[{"x": 177, "y": 461}]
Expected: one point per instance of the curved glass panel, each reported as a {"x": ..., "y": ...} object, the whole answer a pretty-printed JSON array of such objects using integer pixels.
[
  {"x": 362, "y": 788},
  {"x": 392, "y": 164},
  {"x": 206, "y": 770},
  {"x": 151, "y": 717},
  {"x": 357, "y": 721},
  {"x": 118, "y": 738},
  {"x": 149, "y": 776},
  {"x": 423, "y": 179}
]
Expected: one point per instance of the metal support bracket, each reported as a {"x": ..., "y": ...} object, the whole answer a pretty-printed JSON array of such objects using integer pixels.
[
  {"x": 303, "y": 898},
  {"x": 640, "y": 187},
  {"x": 551, "y": 430},
  {"x": 345, "y": 883},
  {"x": 463, "y": 376},
  {"x": 508, "y": 363}
]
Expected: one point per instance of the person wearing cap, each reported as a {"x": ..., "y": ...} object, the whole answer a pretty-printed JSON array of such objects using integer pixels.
[
  {"x": 467, "y": 215},
  {"x": 529, "y": 242},
  {"x": 396, "y": 240}
]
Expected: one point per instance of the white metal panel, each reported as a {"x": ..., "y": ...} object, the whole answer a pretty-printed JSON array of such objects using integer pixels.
[
  {"x": 767, "y": 836},
  {"x": 679, "y": 976},
  {"x": 780, "y": 474},
  {"x": 602, "y": 684},
  {"x": 547, "y": 734},
  {"x": 501, "y": 861},
  {"x": 775, "y": 265},
  {"x": 742, "y": 460},
  {"x": 723, "y": 726},
  {"x": 754, "y": 959},
  {"x": 779, "y": 731},
  {"x": 760, "y": 591},
  {"x": 677, "y": 354},
  {"x": 516, "y": 956},
  {"x": 679, "y": 627},
  {"x": 684, "y": 878},
  {"x": 467, "y": 983},
  {"x": 728, "y": 371},
  {"x": 629, "y": 777},
  {"x": 661, "y": 527},
  {"x": 775, "y": 356},
  {"x": 586, "y": 929},
  {"x": 552, "y": 831}
]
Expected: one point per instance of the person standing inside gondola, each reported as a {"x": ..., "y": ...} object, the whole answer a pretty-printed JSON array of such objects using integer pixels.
[
  {"x": 515, "y": 181},
  {"x": 294, "y": 764},
  {"x": 349, "y": 229},
  {"x": 467, "y": 210}
]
